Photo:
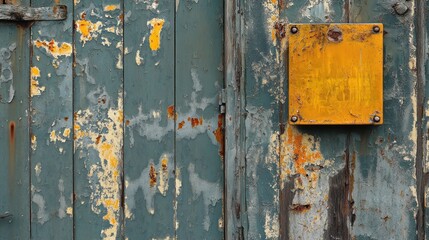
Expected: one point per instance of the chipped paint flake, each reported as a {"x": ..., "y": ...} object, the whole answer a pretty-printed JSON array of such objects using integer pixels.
[
  {"x": 271, "y": 226},
  {"x": 33, "y": 142},
  {"x": 155, "y": 33},
  {"x": 271, "y": 13},
  {"x": 38, "y": 169},
  {"x": 163, "y": 176},
  {"x": 35, "y": 90},
  {"x": 69, "y": 211},
  {"x": 139, "y": 59},
  {"x": 153, "y": 179},
  {"x": 105, "y": 41},
  {"x": 54, "y": 137},
  {"x": 211, "y": 193},
  {"x": 105, "y": 137},
  {"x": 87, "y": 29},
  {"x": 109, "y": 8},
  {"x": 54, "y": 48},
  {"x": 37, "y": 198}
]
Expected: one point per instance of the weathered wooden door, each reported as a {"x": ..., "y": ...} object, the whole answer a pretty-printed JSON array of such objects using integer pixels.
[
  {"x": 325, "y": 182},
  {"x": 110, "y": 124}
]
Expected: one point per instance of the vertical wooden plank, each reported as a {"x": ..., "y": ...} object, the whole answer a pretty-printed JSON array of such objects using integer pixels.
[
  {"x": 385, "y": 192},
  {"x": 235, "y": 165},
  {"x": 14, "y": 130},
  {"x": 314, "y": 161},
  {"x": 51, "y": 127},
  {"x": 263, "y": 96},
  {"x": 149, "y": 112},
  {"x": 423, "y": 72},
  {"x": 98, "y": 119},
  {"x": 421, "y": 23},
  {"x": 199, "y": 78}
]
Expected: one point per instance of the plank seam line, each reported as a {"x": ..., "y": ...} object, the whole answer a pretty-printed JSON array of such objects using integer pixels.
[{"x": 420, "y": 95}]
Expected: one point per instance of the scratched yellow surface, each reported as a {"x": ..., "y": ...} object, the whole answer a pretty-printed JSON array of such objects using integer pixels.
[{"x": 335, "y": 74}]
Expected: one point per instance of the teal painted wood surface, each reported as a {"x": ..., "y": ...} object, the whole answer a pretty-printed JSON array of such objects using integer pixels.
[
  {"x": 199, "y": 78},
  {"x": 98, "y": 119},
  {"x": 149, "y": 158},
  {"x": 14, "y": 131},
  {"x": 51, "y": 131}
]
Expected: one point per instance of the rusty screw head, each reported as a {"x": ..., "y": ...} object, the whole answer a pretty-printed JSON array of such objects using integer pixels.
[
  {"x": 294, "y": 118},
  {"x": 376, "y": 29},
  {"x": 294, "y": 30},
  {"x": 376, "y": 119}
]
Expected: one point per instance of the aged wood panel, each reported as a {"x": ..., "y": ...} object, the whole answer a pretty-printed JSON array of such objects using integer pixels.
[
  {"x": 422, "y": 24},
  {"x": 384, "y": 171},
  {"x": 310, "y": 157},
  {"x": 264, "y": 95},
  {"x": 150, "y": 119},
  {"x": 98, "y": 119},
  {"x": 234, "y": 190},
  {"x": 199, "y": 77},
  {"x": 51, "y": 136},
  {"x": 14, "y": 130}
]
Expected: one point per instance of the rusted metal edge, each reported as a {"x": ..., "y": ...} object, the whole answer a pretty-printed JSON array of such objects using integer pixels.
[
  {"x": 20, "y": 13},
  {"x": 421, "y": 177},
  {"x": 235, "y": 166}
]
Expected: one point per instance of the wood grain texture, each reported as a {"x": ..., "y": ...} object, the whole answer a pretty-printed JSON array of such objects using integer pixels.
[
  {"x": 21, "y": 13},
  {"x": 386, "y": 156},
  {"x": 51, "y": 154},
  {"x": 199, "y": 78},
  {"x": 14, "y": 131},
  {"x": 234, "y": 191},
  {"x": 98, "y": 119},
  {"x": 264, "y": 95},
  {"x": 314, "y": 161},
  {"x": 150, "y": 120}
]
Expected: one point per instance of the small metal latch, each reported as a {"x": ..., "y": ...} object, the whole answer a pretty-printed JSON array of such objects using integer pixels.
[
  {"x": 5, "y": 215},
  {"x": 222, "y": 101},
  {"x": 19, "y": 13}
]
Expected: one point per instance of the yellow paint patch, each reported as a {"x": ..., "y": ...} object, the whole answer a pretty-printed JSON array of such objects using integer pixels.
[
  {"x": 163, "y": 176},
  {"x": 66, "y": 132},
  {"x": 109, "y": 8},
  {"x": 33, "y": 142},
  {"x": 54, "y": 49},
  {"x": 69, "y": 211},
  {"x": 336, "y": 74},
  {"x": 155, "y": 33},
  {"x": 88, "y": 29},
  {"x": 35, "y": 90}
]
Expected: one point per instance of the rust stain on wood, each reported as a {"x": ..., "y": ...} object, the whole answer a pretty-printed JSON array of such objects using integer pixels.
[
  {"x": 152, "y": 175},
  {"x": 219, "y": 134}
]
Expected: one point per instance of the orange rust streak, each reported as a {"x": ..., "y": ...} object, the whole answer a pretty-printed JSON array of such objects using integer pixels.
[
  {"x": 301, "y": 153},
  {"x": 181, "y": 124},
  {"x": 171, "y": 112},
  {"x": 164, "y": 164},
  {"x": 195, "y": 122},
  {"x": 152, "y": 175},
  {"x": 219, "y": 134},
  {"x": 65, "y": 49},
  {"x": 300, "y": 208}
]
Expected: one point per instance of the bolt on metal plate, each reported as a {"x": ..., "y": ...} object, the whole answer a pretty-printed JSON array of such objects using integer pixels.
[{"x": 335, "y": 74}]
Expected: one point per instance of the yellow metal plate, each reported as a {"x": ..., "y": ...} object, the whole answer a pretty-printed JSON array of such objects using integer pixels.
[{"x": 335, "y": 74}]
